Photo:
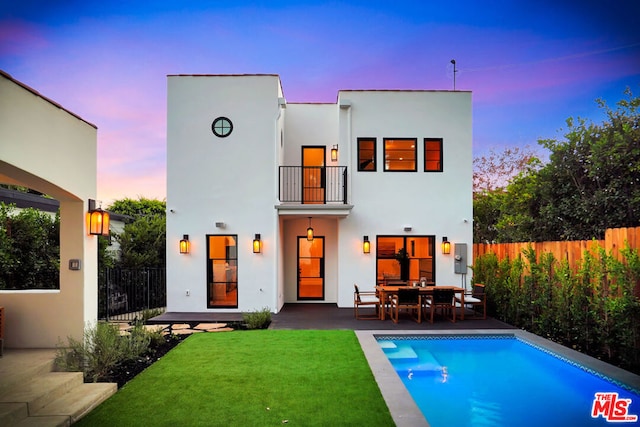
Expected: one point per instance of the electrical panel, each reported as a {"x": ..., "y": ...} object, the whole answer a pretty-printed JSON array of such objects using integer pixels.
[{"x": 460, "y": 258}]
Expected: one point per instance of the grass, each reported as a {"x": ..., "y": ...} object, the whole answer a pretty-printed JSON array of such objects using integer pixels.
[{"x": 252, "y": 378}]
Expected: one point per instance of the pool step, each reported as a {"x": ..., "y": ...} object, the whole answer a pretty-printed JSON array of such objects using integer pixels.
[{"x": 403, "y": 353}]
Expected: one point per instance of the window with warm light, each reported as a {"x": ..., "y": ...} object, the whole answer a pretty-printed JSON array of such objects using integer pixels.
[
  {"x": 367, "y": 154},
  {"x": 406, "y": 258},
  {"x": 222, "y": 271},
  {"x": 433, "y": 154},
  {"x": 400, "y": 154}
]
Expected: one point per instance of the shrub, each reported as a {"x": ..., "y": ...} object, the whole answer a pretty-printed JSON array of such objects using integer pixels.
[
  {"x": 592, "y": 309},
  {"x": 101, "y": 349},
  {"x": 257, "y": 319}
]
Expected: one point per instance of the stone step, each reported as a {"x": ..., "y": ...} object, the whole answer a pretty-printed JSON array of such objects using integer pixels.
[
  {"x": 78, "y": 401},
  {"x": 32, "y": 395},
  {"x": 42, "y": 389},
  {"x": 20, "y": 366}
]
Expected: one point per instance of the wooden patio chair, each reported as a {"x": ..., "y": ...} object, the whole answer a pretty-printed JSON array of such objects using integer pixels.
[
  {"x": 365, "y": 299},
  {"x": 476, "y": 298},
  {"x": 406, "y": 299},
  {"x": 443, "y": 299}
]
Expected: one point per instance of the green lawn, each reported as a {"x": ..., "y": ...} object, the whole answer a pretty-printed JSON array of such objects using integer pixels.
[{"x": 252, "y": 378}]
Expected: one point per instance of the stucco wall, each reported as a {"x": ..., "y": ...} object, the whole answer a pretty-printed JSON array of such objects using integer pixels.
[
  {"x": 231, "y": 180},
  {"x": 47, "y": 148}
]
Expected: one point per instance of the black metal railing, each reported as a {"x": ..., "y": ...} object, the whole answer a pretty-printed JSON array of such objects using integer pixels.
[
  {"x": 124, "y": 294},
  {"x": 313, "y": 184}
]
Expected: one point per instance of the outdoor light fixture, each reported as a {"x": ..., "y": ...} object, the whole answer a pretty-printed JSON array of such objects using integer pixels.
[
  {"x": 257, "y": 244},
  {"x": 366, "y": 245},
  {"x": 310, "y": 231},
  {"x": 184, "y": 244},
  {"x": 446, "y": 246},
  {"x": 97, "y": 220},
  {"x": 334, "y": 153}
]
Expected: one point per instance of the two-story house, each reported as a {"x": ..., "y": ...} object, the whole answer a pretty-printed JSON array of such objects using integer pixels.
[{"x": 272, "y": 202}]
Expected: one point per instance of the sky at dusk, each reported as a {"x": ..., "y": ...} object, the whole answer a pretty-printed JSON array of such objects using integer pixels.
[{"x": 530, "y": 64}]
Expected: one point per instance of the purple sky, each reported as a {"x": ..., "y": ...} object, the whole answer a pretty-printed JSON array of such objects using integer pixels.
[{"x": 529, "y": 64}]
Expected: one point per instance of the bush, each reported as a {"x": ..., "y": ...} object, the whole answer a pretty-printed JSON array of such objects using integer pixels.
[
  {"x": 593, "y": 309},
  {"x": 101, "y": 349},
  {"x": 257, "y": 319}
]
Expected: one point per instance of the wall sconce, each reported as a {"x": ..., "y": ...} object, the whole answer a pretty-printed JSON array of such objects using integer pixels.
[
  {"x": 334, "y": 153},
  {"x": 185, "y": 246},
  {"x": 309, "y": 231},
  {"x": 97, "y": 220},
  {"x": 366, "y": 245},
  {"x": 446, "y": 246},
  {"x": 257, "y": 244}
]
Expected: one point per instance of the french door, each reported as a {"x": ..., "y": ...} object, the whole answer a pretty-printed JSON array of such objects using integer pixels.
[
  {"x": 310, "y": 268},
  {"x": 313, "y": 175}
]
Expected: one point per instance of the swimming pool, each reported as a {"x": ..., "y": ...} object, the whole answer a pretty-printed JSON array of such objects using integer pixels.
[{"x": 503, "y": 380}]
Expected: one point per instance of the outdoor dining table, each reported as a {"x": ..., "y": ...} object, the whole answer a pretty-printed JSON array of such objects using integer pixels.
[{"x": 384, "y": 291}]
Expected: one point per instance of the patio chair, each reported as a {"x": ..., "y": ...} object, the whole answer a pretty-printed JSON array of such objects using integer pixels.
[
  {"x": 475, "y": 298},
  {"x": 442, "y": 299},
  {"x": 406, "y": 299},
  {"x": 365, "y": 299}
]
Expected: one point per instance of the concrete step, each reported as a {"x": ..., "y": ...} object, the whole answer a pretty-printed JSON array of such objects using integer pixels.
[
  {"x": 32, "y": 395},
  {"x": 20, "y": 366},
  {"x": 42, "y": 389},
  {"x": 78, "y": 401}
]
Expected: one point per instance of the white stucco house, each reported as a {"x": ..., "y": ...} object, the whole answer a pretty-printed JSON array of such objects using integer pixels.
[{"x": 378, "y": 171}]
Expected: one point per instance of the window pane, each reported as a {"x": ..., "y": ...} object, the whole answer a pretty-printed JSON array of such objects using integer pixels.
[
  {"x": 366, "y": 154},
  {"x": 433, "y": 155},
  {"x": 400, "y": 155},
  {"x": 420, "y": 262},
  {"x": 222, "y": 271}
]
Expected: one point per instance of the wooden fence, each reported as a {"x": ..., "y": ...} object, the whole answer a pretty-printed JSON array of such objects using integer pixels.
[{"x": 615, "y": 239}]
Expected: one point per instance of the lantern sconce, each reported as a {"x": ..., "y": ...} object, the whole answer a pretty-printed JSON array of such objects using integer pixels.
[
  {"x": 366, "y": 245},
  {"x": 97, "y": 220},
  {"x": 185, "y": 246},
  {"x": 257, "y": 244},
  {"x": 334, "y": 153},
  {"x": 310, "y": 231},
  {"x": 446, "y": 246}
]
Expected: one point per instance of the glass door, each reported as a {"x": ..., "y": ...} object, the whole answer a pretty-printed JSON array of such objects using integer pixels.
[
  {"x": 313, "y": 175},
  {"x": 310, "y": 268}
]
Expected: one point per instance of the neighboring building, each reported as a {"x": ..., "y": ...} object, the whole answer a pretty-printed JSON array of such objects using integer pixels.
[{"x": 241, "y": 161}]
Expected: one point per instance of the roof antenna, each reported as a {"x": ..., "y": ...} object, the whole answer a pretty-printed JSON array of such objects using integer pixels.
[{"x": 453, "y": 61}]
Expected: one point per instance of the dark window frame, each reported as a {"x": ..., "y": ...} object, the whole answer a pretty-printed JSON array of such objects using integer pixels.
[
  {"x": 375, "y": 154},
  {"x": 405, "y": 238},
  {"x": 210, "y": 271},
  {"x": 415, "y": 154},
  {"x": 441, "y": 151}
]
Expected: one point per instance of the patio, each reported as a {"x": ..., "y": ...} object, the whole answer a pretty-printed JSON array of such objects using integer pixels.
[{"x": 328, "y": 316}]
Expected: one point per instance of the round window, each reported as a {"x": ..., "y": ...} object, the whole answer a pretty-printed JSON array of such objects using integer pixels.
[{"x": 222, "y": 127}]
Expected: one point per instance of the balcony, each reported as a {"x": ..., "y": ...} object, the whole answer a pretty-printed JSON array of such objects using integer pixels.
[{"x": 313, "y": 184}]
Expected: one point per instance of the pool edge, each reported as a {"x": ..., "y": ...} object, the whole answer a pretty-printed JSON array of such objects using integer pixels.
[{"x": 405, "y": 411}]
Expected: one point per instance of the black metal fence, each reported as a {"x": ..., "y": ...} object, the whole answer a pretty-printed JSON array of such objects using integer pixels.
[
  {"x": 124, "y": 294},
  {"x": 313, "y": 184}
]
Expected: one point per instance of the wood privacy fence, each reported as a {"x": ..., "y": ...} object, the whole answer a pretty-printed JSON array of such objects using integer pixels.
[{"x": 615, "y": 239}]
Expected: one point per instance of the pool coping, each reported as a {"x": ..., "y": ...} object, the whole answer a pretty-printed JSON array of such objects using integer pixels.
[{"x": 405, "y": 411}]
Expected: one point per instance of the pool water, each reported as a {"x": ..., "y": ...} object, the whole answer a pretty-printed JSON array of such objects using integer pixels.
[{"x": 498, "y": 381}]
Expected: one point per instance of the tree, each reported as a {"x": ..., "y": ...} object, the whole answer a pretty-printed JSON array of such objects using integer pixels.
[
  {"x": 592, "y": 180},
  {"x": 495, "y": 170},
  {"x": 29, "y": 249},
  {"x": 142, "y": 242}
]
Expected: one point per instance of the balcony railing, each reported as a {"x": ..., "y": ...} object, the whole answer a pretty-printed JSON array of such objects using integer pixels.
[{"x": 313, "y": 184}]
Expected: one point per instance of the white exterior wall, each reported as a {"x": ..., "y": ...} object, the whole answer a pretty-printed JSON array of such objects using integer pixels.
[
  {"x": 45, "y": 147},
  {"x": 432, "y": 203},
  {"x": 231, "y": 180},
  {"x": 235, "y": 180}
]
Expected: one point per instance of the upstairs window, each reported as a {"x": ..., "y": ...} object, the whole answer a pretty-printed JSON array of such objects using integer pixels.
[
  {"x": 433, "y": 154},
  {"x": 400, "y": 154},
  {"x": 367, "y": 154}
]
